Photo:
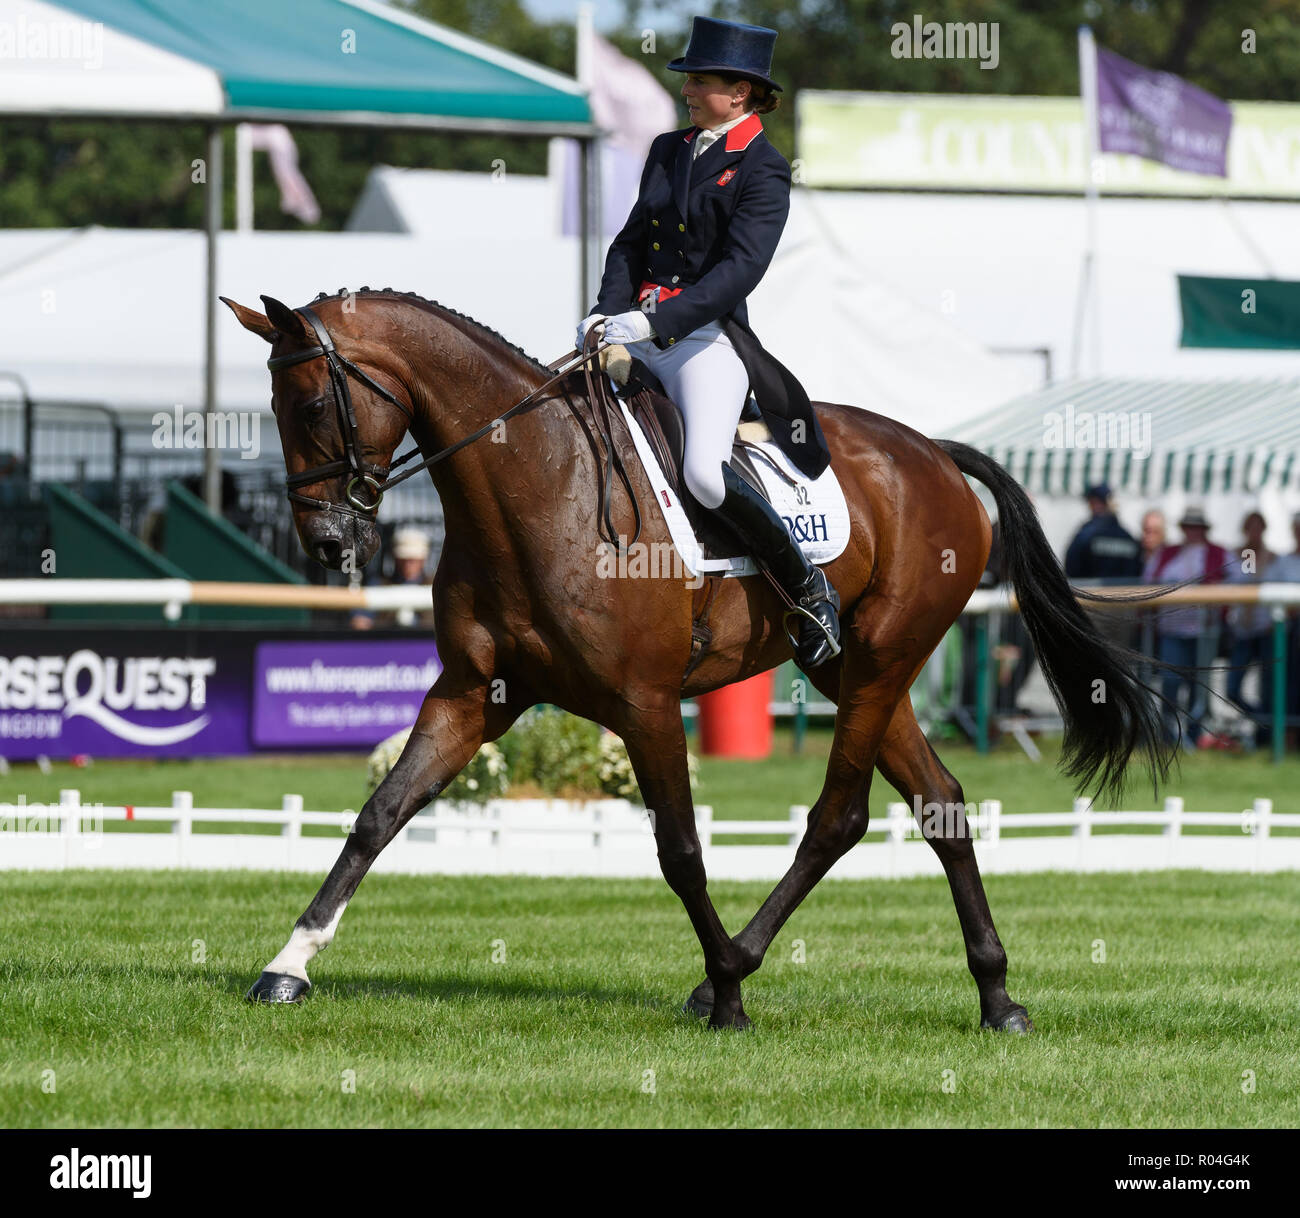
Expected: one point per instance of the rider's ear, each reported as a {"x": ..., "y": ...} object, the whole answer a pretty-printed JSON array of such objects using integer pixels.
[
  {"x": 284, "y": 318},
  {"x": 251, "y": 319}
]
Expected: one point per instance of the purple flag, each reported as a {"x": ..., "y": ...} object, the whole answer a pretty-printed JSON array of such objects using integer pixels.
[{"x": 1161, "y": 117}]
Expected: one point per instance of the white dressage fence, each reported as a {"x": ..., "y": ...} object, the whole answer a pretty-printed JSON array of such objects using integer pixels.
[{"x": 615, "y": 838}]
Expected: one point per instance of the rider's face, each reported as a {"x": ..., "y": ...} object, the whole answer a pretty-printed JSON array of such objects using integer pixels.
[{"x": 711, "y": 101}]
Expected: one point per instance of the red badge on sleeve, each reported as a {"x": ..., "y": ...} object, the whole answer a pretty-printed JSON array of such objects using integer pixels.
[{"x": 726, "y": 177}]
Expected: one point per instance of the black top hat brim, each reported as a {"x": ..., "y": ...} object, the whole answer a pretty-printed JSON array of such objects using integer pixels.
[{"x": 685, "y": 64}]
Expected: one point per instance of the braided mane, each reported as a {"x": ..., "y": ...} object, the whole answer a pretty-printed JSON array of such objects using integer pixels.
[{"x": 423, "y": 303}]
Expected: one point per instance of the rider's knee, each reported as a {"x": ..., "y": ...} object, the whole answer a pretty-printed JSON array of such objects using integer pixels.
[{"x": 704, "y": 481}]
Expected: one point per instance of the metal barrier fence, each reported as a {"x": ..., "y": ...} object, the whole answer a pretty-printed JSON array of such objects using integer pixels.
[
  {"x": 170, "y": 595},
  {"x": 112, "y": 459}
]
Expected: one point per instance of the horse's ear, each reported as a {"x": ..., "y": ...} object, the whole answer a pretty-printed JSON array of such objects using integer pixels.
[
  {"x": 252, "y": 320},
  {"x": 284, "y": 318}
]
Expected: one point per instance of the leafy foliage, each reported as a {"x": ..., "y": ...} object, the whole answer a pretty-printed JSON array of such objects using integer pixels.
[{"x": 140, "y": 175}]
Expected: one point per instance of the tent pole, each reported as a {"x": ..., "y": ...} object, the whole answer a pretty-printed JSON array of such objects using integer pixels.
[
  {"x": 1086, "y": 303},
  {"x": 211, "y": 455},
  {"x": 597, "y": 213},
  {"x": 584, "y": 224}
]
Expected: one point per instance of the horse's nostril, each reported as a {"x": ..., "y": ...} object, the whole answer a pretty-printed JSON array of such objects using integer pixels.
[{"x": 329, "y": 551}]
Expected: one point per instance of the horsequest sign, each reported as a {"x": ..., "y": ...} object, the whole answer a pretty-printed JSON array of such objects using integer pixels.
[
  {"x": 920, "y": 141},
  {"x": 107, "y": 695}
]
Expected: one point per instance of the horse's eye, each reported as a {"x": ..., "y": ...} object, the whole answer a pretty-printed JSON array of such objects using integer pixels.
[{"x": 313, "y": 410}]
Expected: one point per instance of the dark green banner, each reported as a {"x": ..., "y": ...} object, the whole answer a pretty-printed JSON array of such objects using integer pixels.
[{"x": 1240, "y": 313}]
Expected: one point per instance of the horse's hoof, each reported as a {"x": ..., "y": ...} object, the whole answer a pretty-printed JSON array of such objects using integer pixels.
[
  {"x": 1016, "y": 1021},
  {"x": 278, "y": 987},
  {"x": 700, "y": 1003},
  {"x": 740, "y": 1022}
]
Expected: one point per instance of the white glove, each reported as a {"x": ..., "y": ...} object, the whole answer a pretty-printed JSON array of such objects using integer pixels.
[
  {"x": 584, "y": 325},
  {"x": 633, "y": 327}
]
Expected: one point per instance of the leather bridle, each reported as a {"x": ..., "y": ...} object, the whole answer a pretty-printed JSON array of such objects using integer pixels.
[
  {"x": 372, "y": 477},
  {"x": 376, "y": 479}
]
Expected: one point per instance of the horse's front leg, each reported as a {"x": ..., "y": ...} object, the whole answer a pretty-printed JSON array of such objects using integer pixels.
[{"x": 453, "y": 722}]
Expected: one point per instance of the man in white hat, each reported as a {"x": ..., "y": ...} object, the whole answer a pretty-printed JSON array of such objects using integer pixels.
[{"x": 410, "y": 550}]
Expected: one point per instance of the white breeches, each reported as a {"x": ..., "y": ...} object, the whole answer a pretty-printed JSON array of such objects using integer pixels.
[{"x": 703, "y": 374}]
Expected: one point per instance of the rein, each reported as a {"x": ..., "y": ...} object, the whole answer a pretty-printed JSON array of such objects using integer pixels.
[{"x": 376, "y": 479}]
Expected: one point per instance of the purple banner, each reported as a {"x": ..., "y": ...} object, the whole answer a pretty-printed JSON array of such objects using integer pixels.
[
  {"x": 1161, "y": 117},
  {"x": 157, "y": 693},
  {"x": 323, "y": 694}
]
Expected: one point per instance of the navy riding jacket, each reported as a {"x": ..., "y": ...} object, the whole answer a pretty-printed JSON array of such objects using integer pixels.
[{"x": 704, "y": 229}]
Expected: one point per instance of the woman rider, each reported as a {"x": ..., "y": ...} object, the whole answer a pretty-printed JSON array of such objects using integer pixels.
[{"x": 712, "y": 205}]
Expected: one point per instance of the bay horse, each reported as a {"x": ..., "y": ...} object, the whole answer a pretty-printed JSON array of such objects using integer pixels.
[{"x": 522, "y": 617}]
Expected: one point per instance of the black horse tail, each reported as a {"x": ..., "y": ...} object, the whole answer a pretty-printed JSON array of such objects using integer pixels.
[{"x": 1110, "y": 715}]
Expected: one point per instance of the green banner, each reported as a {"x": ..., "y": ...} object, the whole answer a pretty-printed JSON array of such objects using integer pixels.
[{"x": 1240, "y": 313}]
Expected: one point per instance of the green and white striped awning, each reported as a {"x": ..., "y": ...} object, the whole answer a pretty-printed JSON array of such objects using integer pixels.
[{"x": 1147, "y": 437}]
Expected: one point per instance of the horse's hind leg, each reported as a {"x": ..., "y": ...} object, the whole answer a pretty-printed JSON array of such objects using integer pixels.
[
  {"x": 450, "y": 728},
  {"x": 840, "y": 816},
  {"x": 910, "y": 765}
]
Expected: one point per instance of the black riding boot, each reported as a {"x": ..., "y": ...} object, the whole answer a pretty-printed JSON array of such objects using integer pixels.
[{"x": 816, "y": 637}]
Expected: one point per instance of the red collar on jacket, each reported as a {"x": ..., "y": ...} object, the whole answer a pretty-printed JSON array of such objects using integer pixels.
[{"x": 739, "y": 137}]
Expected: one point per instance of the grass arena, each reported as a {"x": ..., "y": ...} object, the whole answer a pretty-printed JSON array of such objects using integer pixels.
[
  {"x": 1160, "y": 998},
  {"x": 780, "y": 616}
]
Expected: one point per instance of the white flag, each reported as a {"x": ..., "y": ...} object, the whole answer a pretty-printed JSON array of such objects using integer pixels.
[
  {"x": 296, "y": 198},
  {"x": 628, "y": 101}
]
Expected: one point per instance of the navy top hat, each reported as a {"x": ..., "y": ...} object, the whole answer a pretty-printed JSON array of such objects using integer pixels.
[{"x": 728, "y": 46}]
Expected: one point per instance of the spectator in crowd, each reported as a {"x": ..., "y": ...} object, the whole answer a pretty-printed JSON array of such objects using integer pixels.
[
  {"x": 1187, "y": 638},
  {"x": 1012, "y": 652},
  {"x": 1153, "y": 533},
  {"x": 1285, "y": 569},
  {"x": 1103, "y": 548},
  {"x": 1249, "y": 628},
  {"x": 410, "y": 550}
]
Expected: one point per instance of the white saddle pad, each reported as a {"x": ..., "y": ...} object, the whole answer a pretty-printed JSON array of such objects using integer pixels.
[{"x": 814, "y": 510}]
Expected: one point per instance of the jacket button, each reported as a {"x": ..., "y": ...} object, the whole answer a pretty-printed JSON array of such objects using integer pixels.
[
  {"x": 656, "y": 245},
  {"x": 655, "y": 223},
  {"x": 680, "y": 254},
  {"x": 671, "y": 341},
  {"x": 676, "y": 278},
  {"x": 681, "y": 228}
]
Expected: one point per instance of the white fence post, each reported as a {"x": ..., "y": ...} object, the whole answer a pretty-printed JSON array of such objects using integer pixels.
[
  {"x": 1263, "y": 816},
  {"x": 291, "y": 806},
  {"x": 991, "y": 821},
  {"x": 899, "y": 818},
  {"x": 1174, "y": 811},
  {"x": 70, "y": 824},
  {"x": 798, "y": 823},
  {"x": 183, "y": 825},
  {"x": 704, "y": 825},
  {"x": 1083, "y": 829}
]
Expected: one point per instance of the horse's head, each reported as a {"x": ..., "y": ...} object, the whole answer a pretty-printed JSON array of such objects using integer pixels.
[{"x": 342, "y": 409}]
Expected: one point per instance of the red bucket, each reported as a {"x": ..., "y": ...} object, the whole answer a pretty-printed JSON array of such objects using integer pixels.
[{"x": 735, "y": 720}]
